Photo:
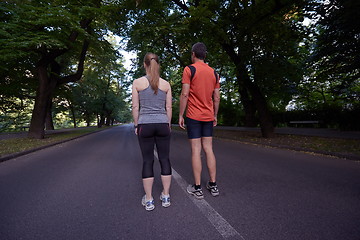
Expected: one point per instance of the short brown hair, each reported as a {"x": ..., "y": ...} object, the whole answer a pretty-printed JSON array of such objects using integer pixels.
[{"x": 199, "y": 49}]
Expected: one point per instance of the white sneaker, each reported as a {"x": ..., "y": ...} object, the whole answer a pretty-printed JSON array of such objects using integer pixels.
[
  {"x": 165, "y": 200},
  {"x": 149, "y": 205}
]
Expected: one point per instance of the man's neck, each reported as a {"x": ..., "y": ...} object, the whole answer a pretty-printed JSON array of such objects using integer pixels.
[{"x": 198, "y": 60}]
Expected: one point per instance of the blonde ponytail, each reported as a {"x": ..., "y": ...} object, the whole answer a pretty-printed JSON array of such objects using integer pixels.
[{"x": 151, "y": 61}]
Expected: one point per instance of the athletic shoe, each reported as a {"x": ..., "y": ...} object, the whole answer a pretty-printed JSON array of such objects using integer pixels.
[
  {"x": 213, "y": 189},
  {"x": 198, "y": 193},
  {"x": 165, "y": 200},
  {"x": 149, "y": 205}
]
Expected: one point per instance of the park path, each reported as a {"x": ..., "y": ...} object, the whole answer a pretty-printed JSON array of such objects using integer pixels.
[{"x": 90, "y": 188}]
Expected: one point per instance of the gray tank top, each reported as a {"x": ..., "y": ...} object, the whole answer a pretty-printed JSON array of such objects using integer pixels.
[{"x": 152, "y": 106}]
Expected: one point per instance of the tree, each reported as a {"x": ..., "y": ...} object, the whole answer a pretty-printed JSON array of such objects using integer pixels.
[
  {"x": 337, "y": 51},
  {"x": 99, "y": 94},
  {"x": 330, "y": 89},
  {"x": 244, "y": 35},
  {"x": 50, "y": 44}
]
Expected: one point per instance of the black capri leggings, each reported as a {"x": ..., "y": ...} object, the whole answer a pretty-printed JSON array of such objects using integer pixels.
[{"x": 149, "y": 135}]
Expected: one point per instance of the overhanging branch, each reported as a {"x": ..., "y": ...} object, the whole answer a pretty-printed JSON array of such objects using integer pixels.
[{"x": 77, "y": 76}]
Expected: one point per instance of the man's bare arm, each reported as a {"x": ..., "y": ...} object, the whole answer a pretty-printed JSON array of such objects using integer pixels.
[
  {"x": 184, "y": 96},
  {"x": 216, "y": 100}
]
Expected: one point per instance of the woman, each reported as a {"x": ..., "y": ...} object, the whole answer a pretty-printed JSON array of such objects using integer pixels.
[{"x": 152, "y": 111}]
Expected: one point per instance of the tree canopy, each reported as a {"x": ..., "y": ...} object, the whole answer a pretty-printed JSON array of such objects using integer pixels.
[
  {"x": 45, "y": 45},
  {"x": 58, "y": 57}
]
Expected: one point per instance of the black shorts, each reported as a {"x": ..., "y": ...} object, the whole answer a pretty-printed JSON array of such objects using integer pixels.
[{"x": 199, "y": 129}]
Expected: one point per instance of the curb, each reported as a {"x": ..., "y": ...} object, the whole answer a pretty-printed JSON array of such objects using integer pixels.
[{"x": 18, "y": 154}]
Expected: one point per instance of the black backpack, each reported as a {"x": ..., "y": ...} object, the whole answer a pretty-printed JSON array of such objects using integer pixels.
[{"x": 193, "y": 71}]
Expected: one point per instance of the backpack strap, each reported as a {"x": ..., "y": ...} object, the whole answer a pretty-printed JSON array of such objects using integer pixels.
[
  {"x": 216, "y": 76},
  {"x": 193, "y": 71}
]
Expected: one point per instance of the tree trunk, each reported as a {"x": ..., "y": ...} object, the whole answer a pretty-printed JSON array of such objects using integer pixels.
[
  {"x": 49, "y": 79},
  {"x": 266, "y": 125},
  {"x": 102, "y": 121},
  {"x": 42, "y": 100},
  {"x": 87, "y": 119},
  {"x": 248, "y": 104},
  {"x": 49, "y": 123},
  {"x": 265, "y": 118},
  {"x": 72, "y": 111},
  {"x": 108, "y": 120}
]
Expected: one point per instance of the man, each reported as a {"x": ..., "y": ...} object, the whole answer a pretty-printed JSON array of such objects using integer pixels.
[{"x": 201, "y": 95}]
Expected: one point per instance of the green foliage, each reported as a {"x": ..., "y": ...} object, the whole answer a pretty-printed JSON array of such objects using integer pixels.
[
  {"x": 337, "y": 51},
  {"x": 267, "y": 37},
  {"x": 31, "y": 27},
  {"x": 264, "y": 36},
  {"x": 331, "y": 88},
  {"x": 14, "y": 113},
  {"x": 36, "y": 30},
  {"x": 100, "y": 93}
]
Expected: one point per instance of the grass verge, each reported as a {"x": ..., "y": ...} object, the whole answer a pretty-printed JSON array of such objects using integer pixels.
[
  {"x": 339, "y": 147},
  {"x": 16, "y": 145},
  {"x": 346, "y": 148}
]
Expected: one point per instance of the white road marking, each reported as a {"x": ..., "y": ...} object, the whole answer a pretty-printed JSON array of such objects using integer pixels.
[{"x": 220, "y": 224}]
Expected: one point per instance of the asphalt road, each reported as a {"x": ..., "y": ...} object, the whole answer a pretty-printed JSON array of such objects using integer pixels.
[{"x": 90, "y": 188}]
